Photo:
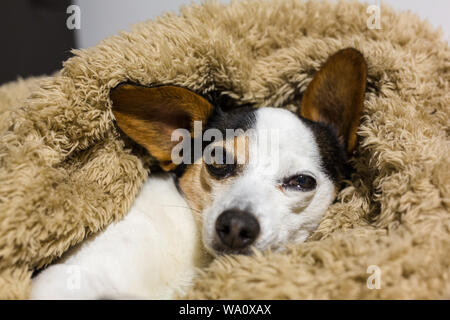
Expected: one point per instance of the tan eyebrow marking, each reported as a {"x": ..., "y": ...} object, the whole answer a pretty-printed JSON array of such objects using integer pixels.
[{"x": 280, "y": 187}]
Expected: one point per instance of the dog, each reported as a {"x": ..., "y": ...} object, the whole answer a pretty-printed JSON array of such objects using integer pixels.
[{"x": 233, "y": 202}]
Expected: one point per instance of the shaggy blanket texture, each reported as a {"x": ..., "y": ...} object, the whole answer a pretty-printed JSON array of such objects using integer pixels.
[{"x": 66, "y": 172}]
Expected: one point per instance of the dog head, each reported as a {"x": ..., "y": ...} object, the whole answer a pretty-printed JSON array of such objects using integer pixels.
[{"x": 264, "y": 177}]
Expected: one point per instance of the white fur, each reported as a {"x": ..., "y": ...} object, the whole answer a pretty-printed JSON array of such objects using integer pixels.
[
  {"x": 151, "y": 254},
  {"x": 283, "y": 215}
]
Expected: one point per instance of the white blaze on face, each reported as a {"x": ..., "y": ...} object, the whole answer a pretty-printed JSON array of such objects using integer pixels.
[{"x": 283, "y": 214}]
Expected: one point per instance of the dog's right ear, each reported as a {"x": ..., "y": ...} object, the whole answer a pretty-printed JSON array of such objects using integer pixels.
[
  {"x": 150, "y": 115},
  {"x": 335, "y": 96}
]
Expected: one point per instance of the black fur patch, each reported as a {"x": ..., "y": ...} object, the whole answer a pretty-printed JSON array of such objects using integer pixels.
[
  {"x": 334, "y": 157},
  {"x": 238, "y": 118}
]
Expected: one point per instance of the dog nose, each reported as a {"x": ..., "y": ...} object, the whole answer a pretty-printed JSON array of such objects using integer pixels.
[{"x": 237, "y": 229}]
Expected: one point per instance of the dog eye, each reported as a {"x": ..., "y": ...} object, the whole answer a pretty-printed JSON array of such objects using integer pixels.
[
  {"x": 302, "y": 182},
  {"x": 221, "y": 164}
]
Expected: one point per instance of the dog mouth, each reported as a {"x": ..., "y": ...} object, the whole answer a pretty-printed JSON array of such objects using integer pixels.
[{"x": 218, "y": 249}]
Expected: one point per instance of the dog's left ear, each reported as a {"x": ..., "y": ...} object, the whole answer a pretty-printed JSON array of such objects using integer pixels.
[
  {"x": 335, "y": 96},
  {"x": 149, "y": 115}
]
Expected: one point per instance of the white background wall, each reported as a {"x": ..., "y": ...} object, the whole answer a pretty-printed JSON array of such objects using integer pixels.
[{"x": 102, "y": 18}]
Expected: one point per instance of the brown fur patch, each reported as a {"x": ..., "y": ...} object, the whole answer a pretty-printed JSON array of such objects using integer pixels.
[{"x": 196, "y": 186}]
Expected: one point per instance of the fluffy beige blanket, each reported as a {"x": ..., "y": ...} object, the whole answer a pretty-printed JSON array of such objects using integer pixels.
[{"x": 65, "y": 172}]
